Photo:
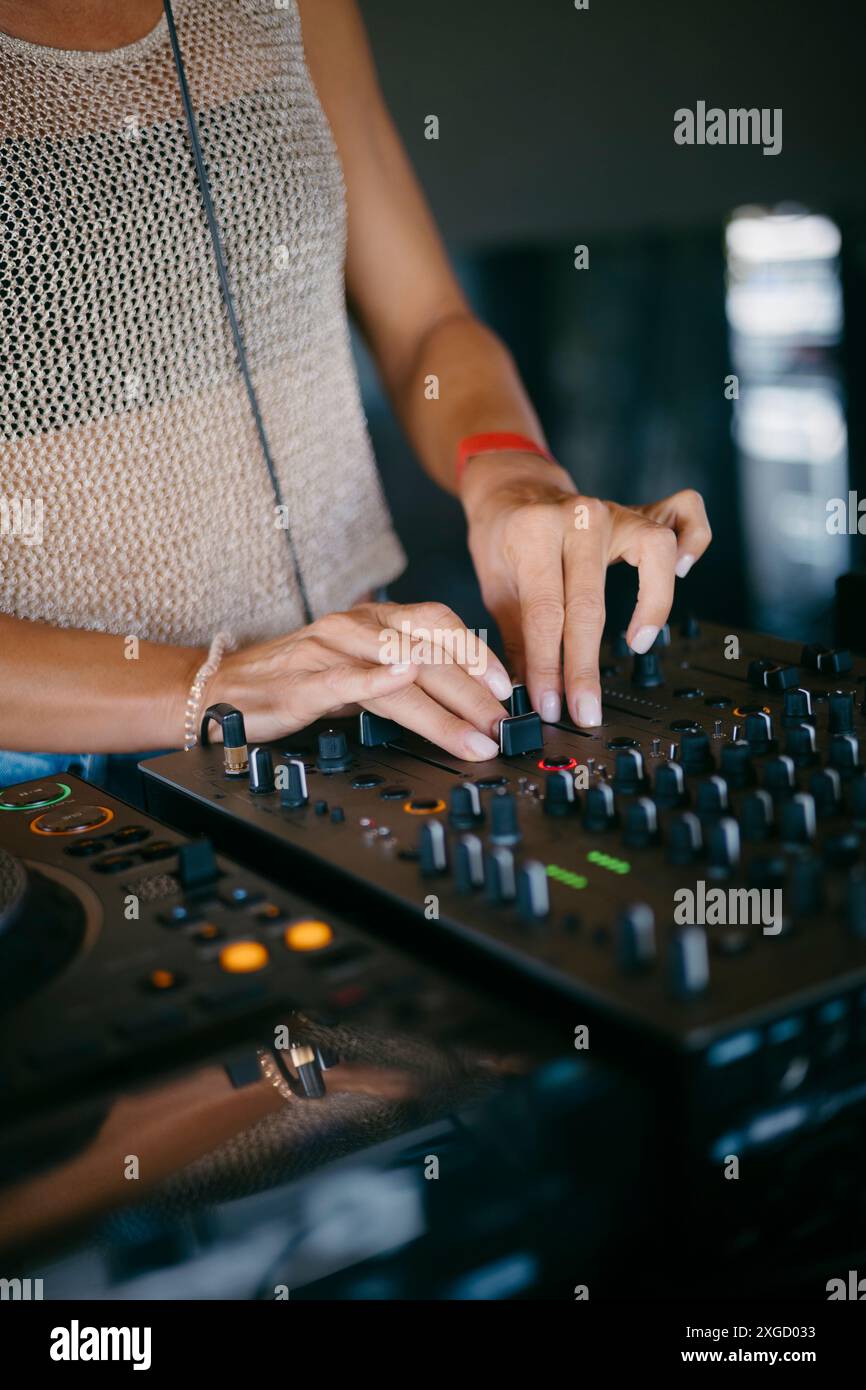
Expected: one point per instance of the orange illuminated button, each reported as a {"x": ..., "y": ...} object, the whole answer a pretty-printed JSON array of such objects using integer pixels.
[
  {"x": 308, "y": 935},
  {"x": 243, "y": 957},
  {"x": 72, "y": 820},
  {"x": 162, "y": 979}
]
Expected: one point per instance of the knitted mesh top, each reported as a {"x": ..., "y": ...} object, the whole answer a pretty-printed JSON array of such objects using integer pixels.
[{"x": 122, "y": 411}]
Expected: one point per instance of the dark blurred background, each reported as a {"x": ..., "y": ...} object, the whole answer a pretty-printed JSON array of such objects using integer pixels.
[{"x": 556, "y": 130}]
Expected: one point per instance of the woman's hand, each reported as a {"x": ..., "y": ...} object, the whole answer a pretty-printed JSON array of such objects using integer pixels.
[
  {"x": 541, "y": 551},
  {"x": 414, "y": 663}
]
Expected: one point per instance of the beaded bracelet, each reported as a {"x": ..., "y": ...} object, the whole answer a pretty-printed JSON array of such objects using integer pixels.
[{"x": 221, "y": 644}]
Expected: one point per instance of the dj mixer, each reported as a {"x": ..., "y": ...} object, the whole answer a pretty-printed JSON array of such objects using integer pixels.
[{"x": 588, "y": 861}]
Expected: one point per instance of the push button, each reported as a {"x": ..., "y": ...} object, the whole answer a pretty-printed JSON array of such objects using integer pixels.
[
  {"x": 114, "y": 864},
  {"x": 83, "y": 849},
  {"x": 72, "y": 820},
  {"x": 33, "y": 796},
  {"x": 162, "y": 981},
  {"x": 130, "y": 835},
  {"x": 308, "y": 935},
  {"x": 243, "y": 957}
]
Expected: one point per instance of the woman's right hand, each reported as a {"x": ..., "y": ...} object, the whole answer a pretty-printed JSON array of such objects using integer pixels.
[{"x": 444, "y": 684}]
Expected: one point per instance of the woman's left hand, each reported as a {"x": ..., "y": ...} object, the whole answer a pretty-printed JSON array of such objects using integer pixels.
[{"x": 541, "y": 551}]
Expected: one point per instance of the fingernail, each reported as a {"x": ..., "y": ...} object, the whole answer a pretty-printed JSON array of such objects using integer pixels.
[
  {"x": 400, "y": 670},
  {"x": 643, "y": 639},
  {"x": 499, "y": 683},
  {"x": 588, "y": 710},
  {"x": 551, "y": 707},
  {"x": 481, "y": 745},
  {"x": 683, "y": 565}
]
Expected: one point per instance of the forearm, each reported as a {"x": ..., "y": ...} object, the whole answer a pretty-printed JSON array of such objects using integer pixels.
[
  {"x": 70, "y": 691},
  {"x": 461, "y": 381}
]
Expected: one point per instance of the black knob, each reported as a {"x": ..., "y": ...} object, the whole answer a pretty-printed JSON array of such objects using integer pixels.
[
  {"x": 465, "y": 809},
  {"x": 843, "y": 849},
  {"x": 669, "y": 787},
  {"x": 800, "y": 745},
  {"x": 736, "y": 764},
  {"x": 641, "y": 823},
  {"x": 690, "y": 628},
  {"x": 826, "y": 660},
  {"x": 826, "y": 787},
  {"x": 857, "y": 795},
  {"x": 797, "y": 820},
  {"x": 501, "y": 886},
  {"x": 333, "y": 751},
  {"x": 806, "y": 887},
  {"x": 723, "y": 845},
  {"x": 629, "y": 777},
  {"x": 767, "y": 871},
  {"x": 636, "y": 938},
  {"x": 468, "y": 864},
  {"x": 197, "y": 865},
  {"x": 684, "y": 838},
  {"x": 646, "y": 670},
  {"x": 756, "y": 815},
  {"x": 261, "y": 770},
  {"x": 504, "y": 826},
  {"x": 599, "y": 812},
  {"x": 712, "y": 797},
  {"x": 519, "y": 701},
  {"x": 688, "y": 963},
  {"x": 433, "y": 849},
  {"x": 533, "y": 895},
  {"x": 780, "y": 776},
  {"x": 759, "y": 731},
  {"x": 841, "y": 712},
  {"x": 857, "y": 901},
  {"x": 559, "y": 794},
  {"x": 292, "y": 781},
  {"x": 520, "y": 733},
  {"x": 844, "y": 754},
  {"x": 797, "y": 707},
  {"x": 695, "y": 754}
]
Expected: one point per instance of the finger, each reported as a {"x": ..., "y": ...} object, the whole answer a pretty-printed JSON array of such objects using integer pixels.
[
  {"x": 505, "y": 609},
  {"x": 436, "y": 625},
  {"x": 542, "y": 612},
  {"x": 309, "y": 695},
  {"x": 684, "y": 512},
  {"x": 414, "y": 709},
  {"x": 653, "y": 550},
  {"x": 585, "y": 571},
  {"x": 444, "y": 671}
]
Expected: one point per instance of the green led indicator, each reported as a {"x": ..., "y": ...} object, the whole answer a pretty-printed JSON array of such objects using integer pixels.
[
  {"x": 566, "y": 876},
  {"x": 37, "y": 805},
  {"x": 607, "y": 861}
]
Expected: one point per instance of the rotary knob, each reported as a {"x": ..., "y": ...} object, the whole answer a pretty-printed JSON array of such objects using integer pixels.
[
  {"x": 465, "y": 809},
  {"x": 559, "y": 794},
  {"x": 646, "y": 671},
  {"x": 261, "y": 770},
  {"x": 669, "y": 787},
  {"x": 636, "y": 938},
  {"x": 504, "y": 825},
  {"x": 736, "y": 764},
  {"x": 685, "y": 839},
  {"x": 333, "y": 754}
]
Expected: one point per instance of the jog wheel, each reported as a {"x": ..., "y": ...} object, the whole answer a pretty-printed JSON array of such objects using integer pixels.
[{"x": 42, "y": 926}]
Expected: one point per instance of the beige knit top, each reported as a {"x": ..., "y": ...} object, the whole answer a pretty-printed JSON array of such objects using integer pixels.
[{"x": 125, "y": 431}]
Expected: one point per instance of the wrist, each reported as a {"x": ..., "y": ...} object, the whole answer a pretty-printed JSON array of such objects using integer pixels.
[{"x": 496, "y": 477}]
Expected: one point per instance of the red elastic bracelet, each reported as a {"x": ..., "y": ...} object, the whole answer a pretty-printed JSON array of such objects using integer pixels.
[{"x": 496, "y": 444}]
